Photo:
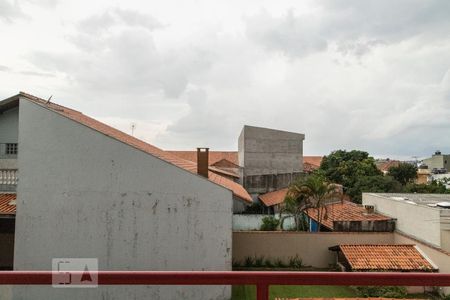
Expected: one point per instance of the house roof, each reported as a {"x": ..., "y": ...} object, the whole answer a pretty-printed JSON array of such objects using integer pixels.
[
  {"x": 385, "y": 258},
  {"x": 384, "y": 165},
  {"x": 107, "y": 130},
  {"x": 273, "y": 198},
  {"x": 214, "y": 156},
  {"x": 313, "y": 160},
  {"x": 7, "y": 204},
  {"x": 344, "y": 211}
]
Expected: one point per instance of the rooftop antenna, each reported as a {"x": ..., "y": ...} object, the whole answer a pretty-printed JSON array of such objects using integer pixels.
[
  {"x": 133, "y": 127},
  {"x": 48, "y": 100}
]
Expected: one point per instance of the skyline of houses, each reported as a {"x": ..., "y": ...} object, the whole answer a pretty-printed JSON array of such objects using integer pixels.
[{"x": 71, "y": 186}]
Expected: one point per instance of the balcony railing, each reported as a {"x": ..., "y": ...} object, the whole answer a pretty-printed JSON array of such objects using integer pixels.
[
  {"x": 8, "y": 179},
  {"x": 262, "y": 280}
]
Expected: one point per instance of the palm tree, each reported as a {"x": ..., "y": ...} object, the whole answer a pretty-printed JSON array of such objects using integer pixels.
[{"x": 312, "y": 192}]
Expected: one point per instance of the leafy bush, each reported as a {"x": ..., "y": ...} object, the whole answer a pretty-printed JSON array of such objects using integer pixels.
[
  {"x": 259, "y": 261},
  {"x": 382, "y": 291},
  {"x": 295, "y": 262},
  {"x": 249, "y": 262},
  {"x": 268, "y": 263},
  {"x": 279, "y": 263},
  {"x": 269, "y": 223},
  {"x": 236, "y": 263}
]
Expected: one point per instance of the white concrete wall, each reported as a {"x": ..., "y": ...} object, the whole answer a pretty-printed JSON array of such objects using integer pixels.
[
  {"x": 418, "y": 221},
  {"x": 83, "y": 194}
]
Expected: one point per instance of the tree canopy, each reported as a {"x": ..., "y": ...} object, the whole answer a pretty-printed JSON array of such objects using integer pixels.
[
  {"x": 357, "y": 172},
  {"x": 403, "y": 173}
]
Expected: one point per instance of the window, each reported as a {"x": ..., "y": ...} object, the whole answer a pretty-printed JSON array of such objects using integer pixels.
[{"x": 11, "y": 149}]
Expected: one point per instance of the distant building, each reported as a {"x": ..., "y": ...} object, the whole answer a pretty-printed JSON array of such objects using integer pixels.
[
  {"x": 271, "y": 159},
  {"x": 425, "y": 217},
  {"x": 384, "y": 164},
  {"x": 438, "y": 162},
  {"x": 348, "y": 216}
]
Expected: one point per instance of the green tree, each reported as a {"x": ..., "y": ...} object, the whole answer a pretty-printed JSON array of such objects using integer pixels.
[
  {"x": 434, "y": 187},
  {"x": 403, "y": 173},
  {"x": 312, "y": 192},
  {"x": 357, "y": 172}
]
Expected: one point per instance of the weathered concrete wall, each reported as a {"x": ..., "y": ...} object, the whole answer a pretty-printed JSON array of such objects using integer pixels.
[
  {"x": 267, "y": 151},
  {"x": 312, "y": 248},
  {"x": 270, "y": 158},
  {"x": 415, "y": 220},
  {"x": 83, "y": 194}
]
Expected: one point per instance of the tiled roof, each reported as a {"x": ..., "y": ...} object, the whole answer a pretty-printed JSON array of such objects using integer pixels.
[
  {"x": 214, "y": 156},
  {"x": 385, "y": 258},
  {"x": 313, "y": 160},
  {"x": 223, "y": 171},
  {"x": 384, "y": 166},
  {"x": 344, "y": 211},
  {"x": 273, "y": 198},
  {"x": 7, "y": 204},
  {"x": 190, "y": 166}
]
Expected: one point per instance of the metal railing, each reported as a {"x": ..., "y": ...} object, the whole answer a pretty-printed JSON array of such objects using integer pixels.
[{"x": 262, "y": 280}]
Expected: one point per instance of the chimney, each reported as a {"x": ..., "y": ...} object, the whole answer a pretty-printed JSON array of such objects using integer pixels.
[
  {"x": 370, "y": 209},
  {"x": 202, "y": 161}
]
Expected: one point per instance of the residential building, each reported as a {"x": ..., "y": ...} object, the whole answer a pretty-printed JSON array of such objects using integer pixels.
[
  {"x": 88, "y": 190},
  {"x": 348, "y": 216},
  {"x": 271, "y": 159},
  {"x": 425, "y": 217},
  {"x": 384, "y": 164},
  {"x": 224, "y": 163},
  {"x": 438, "y": 162}
]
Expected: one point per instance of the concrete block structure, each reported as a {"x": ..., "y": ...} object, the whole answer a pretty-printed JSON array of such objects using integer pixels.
[
  {"x": 88, "y": 190},
  {"x": 270, "y": 159},
  {"x": 438, "y": 161}
]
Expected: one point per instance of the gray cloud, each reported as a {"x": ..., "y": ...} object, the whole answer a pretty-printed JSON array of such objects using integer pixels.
[
  {"x": 10, "y": 11},
  {"x": 355, "y": 27},
  {"x": 116, "y": 51},
  {"x": 4, "y": 68},
  {"x": 372, "y": 75}
]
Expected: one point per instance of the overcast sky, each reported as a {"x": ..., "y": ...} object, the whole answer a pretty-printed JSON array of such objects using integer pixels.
[{"x": 371, "y": 75}]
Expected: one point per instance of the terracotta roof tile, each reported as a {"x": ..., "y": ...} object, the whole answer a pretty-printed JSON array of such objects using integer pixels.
[
  {"x": 313, "y": 160},
  {"x": 384, "y": 166},
  {"x": 214, "y": 156},
  {"x": 7, "y": 204},
  {"x": 345, "y": 211},
  {"x": 273, "y": 198},
  {"x": 190, "y": 166},
  {"x": 385, "y": 258}
]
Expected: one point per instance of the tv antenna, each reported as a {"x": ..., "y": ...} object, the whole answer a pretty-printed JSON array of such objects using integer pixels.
[{"x": 133, "y": 127}]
